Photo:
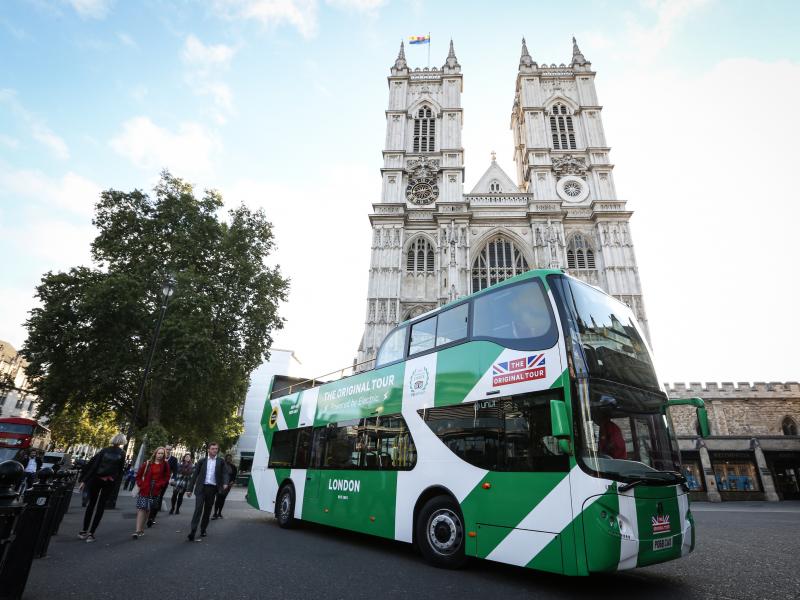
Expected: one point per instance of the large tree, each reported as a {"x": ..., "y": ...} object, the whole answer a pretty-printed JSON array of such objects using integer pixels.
[{"x": 88, "y": 342}]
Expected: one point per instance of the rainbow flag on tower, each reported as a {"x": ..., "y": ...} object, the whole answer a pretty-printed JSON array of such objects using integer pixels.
[{"x": 419, "y": 39}]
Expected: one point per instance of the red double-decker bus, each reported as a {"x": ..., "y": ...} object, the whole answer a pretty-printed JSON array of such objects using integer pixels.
[{"x": 18, "y": 434}]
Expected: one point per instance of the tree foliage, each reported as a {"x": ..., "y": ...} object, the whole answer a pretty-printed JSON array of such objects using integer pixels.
[
  {"x": 88, "y": 342},
  {"x": 73, "y": 425}
]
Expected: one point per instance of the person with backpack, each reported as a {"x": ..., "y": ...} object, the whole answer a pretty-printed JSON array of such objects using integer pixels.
[
  {"x": 153, "y": 476},
  {"x": 99, "y": 476}
]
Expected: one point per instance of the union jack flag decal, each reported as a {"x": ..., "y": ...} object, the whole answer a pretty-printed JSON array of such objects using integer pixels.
[
  {"x": 518, "y": 370},
  {"x": 534, "y": 360}
]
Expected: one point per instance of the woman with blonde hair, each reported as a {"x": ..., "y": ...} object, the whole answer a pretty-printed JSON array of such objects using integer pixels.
[
  {"x": 99, "y": 477},
  {"x": 153, "y": 476}
]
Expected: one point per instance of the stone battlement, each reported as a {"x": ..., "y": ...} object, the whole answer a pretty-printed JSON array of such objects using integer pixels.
[{"x": 739, "y": 389}]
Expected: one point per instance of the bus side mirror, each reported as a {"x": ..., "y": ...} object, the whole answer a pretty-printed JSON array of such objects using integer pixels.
[
  {"x": 702, "y": 413},
  {"x": 559, "y": 424}
]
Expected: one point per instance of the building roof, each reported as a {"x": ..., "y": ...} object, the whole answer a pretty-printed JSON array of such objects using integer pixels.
[{"x": 495, "y": 174}]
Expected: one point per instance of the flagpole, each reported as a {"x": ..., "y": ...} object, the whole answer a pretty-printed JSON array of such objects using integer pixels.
[{"x": 429, "y": 49}]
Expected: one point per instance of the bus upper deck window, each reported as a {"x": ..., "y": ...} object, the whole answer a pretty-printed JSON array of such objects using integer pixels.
[
  {"x": 392, "y": 348},
  {"x": 513, "y": 312},
  {"x": 423, "y": 335}
]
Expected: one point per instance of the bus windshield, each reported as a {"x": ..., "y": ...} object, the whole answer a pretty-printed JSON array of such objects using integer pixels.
[{"x": 626, "y": 432}]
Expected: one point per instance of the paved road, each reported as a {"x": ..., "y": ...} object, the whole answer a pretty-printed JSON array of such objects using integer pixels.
[{"x": 744, "y": 551}]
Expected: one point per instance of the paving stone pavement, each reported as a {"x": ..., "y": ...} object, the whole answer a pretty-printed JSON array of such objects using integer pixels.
[{"x": 743, "y": 552}]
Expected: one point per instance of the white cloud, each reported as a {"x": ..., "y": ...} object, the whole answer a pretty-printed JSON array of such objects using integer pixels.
[
  {"x": 92, "y": 9},
  {"x": 670, "y": 16},
  {"x": 301, "y": 14},
  {"x": 45, "y": 136},
  {"x": 72, "y": 192},
  {"x": 187, "y": 151},
  {"x": 38, "y": 128},
  {"x": 8, "y": 141},
  {"x": 706, "y": 177},
  {"x": 327, "y": 257},
  {"x": 366, "y": 6},
  {"x": 203, "y": 62},
  {"x": 14, "y": 306},
  {"x": 127, "y": 40},
  {"x": 199, "y": 55}
]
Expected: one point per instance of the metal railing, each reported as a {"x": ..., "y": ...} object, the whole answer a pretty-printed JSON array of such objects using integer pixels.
[{"x": 336, "y": 375}]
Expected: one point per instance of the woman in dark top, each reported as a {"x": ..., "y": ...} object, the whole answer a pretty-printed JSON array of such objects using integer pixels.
[
  {"x": 153, "y": 476},
  {"x": 219, "y": 501},
  {"x": 181, "y": 482},
  {"x": 99, "y": 477}
]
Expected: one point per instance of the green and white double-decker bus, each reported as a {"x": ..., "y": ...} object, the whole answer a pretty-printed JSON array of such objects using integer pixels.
[{"x": 523, "y": 424}]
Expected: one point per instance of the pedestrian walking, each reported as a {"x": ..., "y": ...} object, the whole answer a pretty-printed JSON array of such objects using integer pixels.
[
  {"x": 173, "y": 467},
  {"x": 230, "y": 471},
  {"x": 99, "y": 476},
  {"x": 130, "y": 478},
  {"x": 153, "y": 476},
  {"x": 32, "y": 463},
  {"x": 208, "y": 479},
  {"x": 180, "y": 483}
]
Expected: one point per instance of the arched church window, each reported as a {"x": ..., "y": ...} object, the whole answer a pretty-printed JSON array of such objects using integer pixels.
[
  {"x": 561, "y": 128},
  {"x": 498, "y": 260},
  {"x": 420, "y": 256},
  {"x": 789, "y": 426},
  {"x": 579, "y": 253},
  {"x": 495, "y": 188},
  {"x": 424, "y": 130}
]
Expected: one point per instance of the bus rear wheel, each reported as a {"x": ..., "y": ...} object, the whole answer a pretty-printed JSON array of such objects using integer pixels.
[
  {"x": 284, "y": 507},
  {"x": 440, "y": 533}
]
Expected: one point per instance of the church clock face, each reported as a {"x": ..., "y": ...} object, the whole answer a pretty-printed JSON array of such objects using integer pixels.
[{"x": 422, "y": 191}]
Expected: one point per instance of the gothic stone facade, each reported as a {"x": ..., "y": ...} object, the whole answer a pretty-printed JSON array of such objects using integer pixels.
[
  {"x": 753, "y": 452},
  {"x": 433, "y": 243}
]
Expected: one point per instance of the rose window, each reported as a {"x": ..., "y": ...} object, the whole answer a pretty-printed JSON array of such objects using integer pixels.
[{"x": 572, "y": 189}]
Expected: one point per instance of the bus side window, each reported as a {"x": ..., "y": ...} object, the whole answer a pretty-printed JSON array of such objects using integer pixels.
[
  {"x": 318, "y": 437},
  {"x": 452, "y": 325},
  {"x": 393, "y": 347},
  {"x": 395, "y": 447},
  {"x": 281, "y": 453},
  {"x": 303, "y": 453},
  {"x": 423, "y": 336},
  {"x": 342, "y": 449}
]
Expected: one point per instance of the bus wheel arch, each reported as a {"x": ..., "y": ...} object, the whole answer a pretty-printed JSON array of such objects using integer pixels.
[
  {"x": 437, "y": 508},
  {"x": 284, "y": 505}
]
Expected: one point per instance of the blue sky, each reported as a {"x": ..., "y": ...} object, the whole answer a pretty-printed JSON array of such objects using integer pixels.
[{"x": 279, "y": 103}]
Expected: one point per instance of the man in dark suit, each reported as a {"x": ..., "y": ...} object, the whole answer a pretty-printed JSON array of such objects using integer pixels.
[{"x": 208, "y": 479}]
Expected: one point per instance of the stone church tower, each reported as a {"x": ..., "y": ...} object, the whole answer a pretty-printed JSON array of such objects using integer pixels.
[{"x": 432, "y": 243}]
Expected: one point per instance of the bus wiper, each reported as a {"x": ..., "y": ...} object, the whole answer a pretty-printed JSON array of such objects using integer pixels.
[
  {"x": 631, "y": 485},
  {"x": 659, "y": 477}
]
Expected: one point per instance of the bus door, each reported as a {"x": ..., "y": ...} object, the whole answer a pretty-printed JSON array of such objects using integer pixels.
[
  {"x": 524, "y": 499},
  {"x": 313, "y": 473}
]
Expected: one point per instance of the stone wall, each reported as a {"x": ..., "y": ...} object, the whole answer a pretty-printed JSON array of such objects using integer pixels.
[{"x": 743, "y": 409}]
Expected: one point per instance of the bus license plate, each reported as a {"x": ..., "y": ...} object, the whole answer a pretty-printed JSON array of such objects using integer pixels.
[{"x": 662, "y": 544}]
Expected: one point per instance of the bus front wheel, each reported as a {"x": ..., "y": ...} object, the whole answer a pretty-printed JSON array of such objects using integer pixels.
[
  {"x": 440, "y": 533},
  {"x": 284, "y": 507}
]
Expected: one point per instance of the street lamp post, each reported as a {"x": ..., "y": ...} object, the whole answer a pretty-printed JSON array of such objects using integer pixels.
[{"x": 167, "y": 289}]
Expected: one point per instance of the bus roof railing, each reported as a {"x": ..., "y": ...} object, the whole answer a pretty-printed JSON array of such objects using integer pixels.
[{"x": 335, "y": 375}]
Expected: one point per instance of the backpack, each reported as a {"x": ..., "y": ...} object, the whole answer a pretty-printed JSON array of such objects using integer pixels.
[{"x": 110, "y": 463}]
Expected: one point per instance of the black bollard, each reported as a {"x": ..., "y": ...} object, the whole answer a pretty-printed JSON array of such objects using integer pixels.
[
  {"x": 12, "y": 582},
  {"x": 69, "y": 486},
  {"x": 59, "y": 500},
  {"x": 43, "y": 496}
]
